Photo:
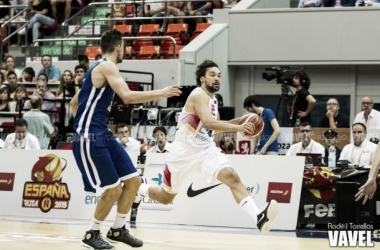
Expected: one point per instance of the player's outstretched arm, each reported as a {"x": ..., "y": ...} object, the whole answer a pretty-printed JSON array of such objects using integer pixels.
[
  {"x": 200, "y": 102},
  {"x": 369, "y": 188},
  {"x": 114, "y": 79}
]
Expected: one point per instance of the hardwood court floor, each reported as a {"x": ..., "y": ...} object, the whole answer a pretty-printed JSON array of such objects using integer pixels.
[{"x": 27, "y": 235}]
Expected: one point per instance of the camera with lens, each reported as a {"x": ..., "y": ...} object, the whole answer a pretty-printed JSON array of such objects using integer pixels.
[{"x": 283, "y": 75}]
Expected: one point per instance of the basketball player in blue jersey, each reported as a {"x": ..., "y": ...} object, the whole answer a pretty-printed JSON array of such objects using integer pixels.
[
  {"x": 194, "y": 150},
  {"x": 101, "y": 159}
]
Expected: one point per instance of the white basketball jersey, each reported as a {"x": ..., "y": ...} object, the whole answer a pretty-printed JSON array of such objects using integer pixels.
[{"x": 190, "y": 129}]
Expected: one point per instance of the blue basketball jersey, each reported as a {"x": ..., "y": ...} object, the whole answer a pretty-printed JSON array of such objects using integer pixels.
[{"x": 94, "y": 105}]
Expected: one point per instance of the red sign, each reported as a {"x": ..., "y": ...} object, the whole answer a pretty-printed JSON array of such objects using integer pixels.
[
  {"x": 279, "y": 191},
  {"x": 6, "y": 181}
]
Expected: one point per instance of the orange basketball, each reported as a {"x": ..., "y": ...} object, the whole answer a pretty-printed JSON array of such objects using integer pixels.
[{"x": 257, "y": 122}]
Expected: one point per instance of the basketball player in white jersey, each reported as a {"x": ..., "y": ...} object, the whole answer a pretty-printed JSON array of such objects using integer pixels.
[{"x": 194, "y": 150}]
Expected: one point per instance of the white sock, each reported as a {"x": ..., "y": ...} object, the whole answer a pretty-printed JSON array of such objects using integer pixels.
[
  {"x": 143, "y": 190},
  {"x": 119, "y": 221},
  {"x": 95, "y": 224},
  {"x": 250, "y": 207}
]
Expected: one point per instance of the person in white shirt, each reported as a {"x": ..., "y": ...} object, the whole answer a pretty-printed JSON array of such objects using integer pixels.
[
  {"x": 368, "y": 190},
  {"x": 306, "y": 145},
  {"x": 369, "y": 116},
  {"x": 1, "y": 143},
  {"x": 122, "y": 136},
  {"x": 162, "y": 146},
  {"x": 361, "y": 150},
  {"x": 21, "y": 139}
]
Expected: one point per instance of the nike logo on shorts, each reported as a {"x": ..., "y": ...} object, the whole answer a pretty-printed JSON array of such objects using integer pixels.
[{"x": 192, "y": 193}]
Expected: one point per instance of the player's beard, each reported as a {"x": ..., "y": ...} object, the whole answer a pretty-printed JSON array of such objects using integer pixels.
[{"x": 212, "y": 89}]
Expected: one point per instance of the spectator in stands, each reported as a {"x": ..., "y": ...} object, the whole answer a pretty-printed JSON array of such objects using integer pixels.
[
  {"x": 368, "y": 3},
  {"x": 28, "y": 75},
  {"x": 162, "y": 145},
  {"x": 2, "y": 80},
  {"x": 68, "y": 6},
  {"x": 306, "y": 145},
  {"x": 52, "y": 71},
  {"x": 361, "y": 150},
  {"x": 41, "y": 90},
  {"x": 310, "y": 3},
  {"x": 173, "y": 9},
  {"x": 5, "y": 100},
  {"x": 83, "y": 59},
  {"x": 199, "y": 9},
  {"x": 42, "y": 15},
  {"x": 12, "y": 82},
  {"x": 4, "y": 12},
  {"x": 122, "y": 136},
  {"x": 65, "y": 84},
  {"x": 227, "y": 144},
  {"x": 80, "y": 72},
  {"x": 333, "y": 118},
  {"x": 340, "y": 3},
  {"x": 109, "y": 23},
  {"x": 267, "y": 143},
  {"x": 369, "y": 116},
  {"x": 21, "y": 139},
  {"x": 39, "y": 122},
  {"x": 303, "y": 101},
  {"x": 119, "y": 11},
  {"x": 17, "y": 99},
  {"x": 21, "y": 18},
  {"x": 330, "y": 137},
  {"x": 10, "y": 66}
]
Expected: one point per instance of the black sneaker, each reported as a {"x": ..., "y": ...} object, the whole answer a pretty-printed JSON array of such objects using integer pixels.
[
  {"x": 123, "y": 235},
  {"x": 266, "y": 217},
  {"x": 93, "y": 239}
]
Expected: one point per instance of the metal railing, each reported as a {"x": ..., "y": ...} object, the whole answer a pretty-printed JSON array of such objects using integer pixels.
[
  {"x": 98, "y": 38},
  {"x": 92, "y": 5},
  {"x": 7, "y": 24}
]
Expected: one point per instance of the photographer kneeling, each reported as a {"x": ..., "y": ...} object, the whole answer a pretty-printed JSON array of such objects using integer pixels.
[{"x": 303, "y": 101}]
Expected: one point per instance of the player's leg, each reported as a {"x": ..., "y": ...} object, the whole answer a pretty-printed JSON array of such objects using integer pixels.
[
  {"x": 163, "y": 194},
  {"x": 264, "y": 218},
  {"x": 131, "y": 180},
  {"x": 92, "y": 238}
]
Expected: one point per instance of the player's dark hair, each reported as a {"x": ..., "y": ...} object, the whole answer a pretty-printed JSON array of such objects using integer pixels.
[
  {"x": 109, "y": 40},
  {"x": 252, "y": 99},
  {"x": 360, "y": 124},
  {"x": 202, "y": 68}
]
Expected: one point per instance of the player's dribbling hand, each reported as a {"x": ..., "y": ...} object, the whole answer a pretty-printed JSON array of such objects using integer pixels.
[
  {"x": 170, "y": 91},
  {"x": 247, "y": 128},
  {"x": 366, "y": 191}
]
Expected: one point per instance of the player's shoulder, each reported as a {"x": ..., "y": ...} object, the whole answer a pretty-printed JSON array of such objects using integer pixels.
[{"x": 198, "y": 93}]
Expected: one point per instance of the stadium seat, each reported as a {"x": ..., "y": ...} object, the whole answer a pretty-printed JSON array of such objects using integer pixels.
[
  {"x": 126, "y": 30},
  {"x": 128, "y": 9},
  {"x": 52, "y": 27},
  {"x": 179, "y": 31},
  {"x": 79, "y": 7},
  {"x": 146, "y": 30},
  {"x": 199, "y": 29},
  {"x": 129, "y": 52},
  {"x": 149, "y": 52},
  {"x": 92, "y": 52},
  {"x": 170, "y": 53},
  {"x": 9, "y": 126}
]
